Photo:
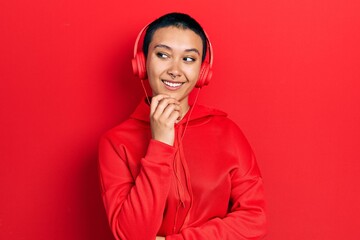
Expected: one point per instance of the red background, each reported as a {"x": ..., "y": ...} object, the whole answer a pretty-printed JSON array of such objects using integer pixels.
[{"x": 286, "y": 71}]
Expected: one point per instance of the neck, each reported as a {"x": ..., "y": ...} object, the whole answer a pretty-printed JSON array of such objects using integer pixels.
[{"x": 184, "y": 107}]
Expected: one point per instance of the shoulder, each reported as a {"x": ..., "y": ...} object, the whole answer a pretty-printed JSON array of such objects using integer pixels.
[
  {"x": 230, "y": 131},
  {"x": 126, "y": 132},
  {"x": 222, "y": 120},
  {"x": 228, "y": 140},
  {"x": 221, "y": 126}
]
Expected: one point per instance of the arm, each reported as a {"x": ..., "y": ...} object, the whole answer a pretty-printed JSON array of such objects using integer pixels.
[
  {"x": 135, "y": 206},
  {"x": 246, "y": 218}
]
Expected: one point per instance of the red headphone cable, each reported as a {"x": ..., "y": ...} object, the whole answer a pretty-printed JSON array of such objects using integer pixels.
[
  {"x": 147, "y": 96},
  {"x": 191, "y": 110}
]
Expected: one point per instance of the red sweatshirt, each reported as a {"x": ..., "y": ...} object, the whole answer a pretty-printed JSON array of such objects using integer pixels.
[{"x": 206, "y": 186}]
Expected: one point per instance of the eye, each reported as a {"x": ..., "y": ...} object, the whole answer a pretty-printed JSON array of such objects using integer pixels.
[
  {"x": 162, "y": 55},
  {"x": 189, "y": 59}
]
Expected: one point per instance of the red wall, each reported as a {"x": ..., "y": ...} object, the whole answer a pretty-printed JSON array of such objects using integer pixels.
[{"x": 286, "y": 71}]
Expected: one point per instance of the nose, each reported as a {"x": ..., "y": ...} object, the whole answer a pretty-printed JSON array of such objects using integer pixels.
[
  {"x": 174, "y": 70},
  {"x": 173, "y": 75}
]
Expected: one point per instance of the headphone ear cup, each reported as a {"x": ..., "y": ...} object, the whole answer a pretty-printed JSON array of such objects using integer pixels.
[
  {"x": 204, "y": 75},
  {"x": 138, "y": 64}
]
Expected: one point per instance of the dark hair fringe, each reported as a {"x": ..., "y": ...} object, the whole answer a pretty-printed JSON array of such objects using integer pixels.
[{"x": 176, "y": 19}]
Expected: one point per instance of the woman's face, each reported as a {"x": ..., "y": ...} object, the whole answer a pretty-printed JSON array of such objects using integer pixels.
[{"x": 173, "y": 62}]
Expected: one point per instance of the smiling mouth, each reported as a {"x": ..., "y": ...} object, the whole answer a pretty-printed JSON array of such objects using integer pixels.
[{"x": 172, "y": 84}]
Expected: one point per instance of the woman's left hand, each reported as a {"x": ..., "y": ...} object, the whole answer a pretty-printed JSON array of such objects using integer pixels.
[{"x": 159, "y": 238}]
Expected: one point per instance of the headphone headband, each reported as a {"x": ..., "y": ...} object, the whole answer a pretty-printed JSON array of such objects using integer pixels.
[{"x": 138, "y": 38}]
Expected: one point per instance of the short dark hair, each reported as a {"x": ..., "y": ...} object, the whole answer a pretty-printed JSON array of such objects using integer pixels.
[{"x": 175, "y": 19}]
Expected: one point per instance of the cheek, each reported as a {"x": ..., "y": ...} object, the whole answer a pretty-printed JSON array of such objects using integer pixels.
[
  {"x": 154, "y": 68},
  {"x": 193, "y": 73}
]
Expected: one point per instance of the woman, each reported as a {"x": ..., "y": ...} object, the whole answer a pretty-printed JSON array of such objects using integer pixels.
[{"x": 175, "y": 171}]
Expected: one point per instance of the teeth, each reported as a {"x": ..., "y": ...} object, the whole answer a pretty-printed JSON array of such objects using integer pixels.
[{"x": 170, "y": 84}]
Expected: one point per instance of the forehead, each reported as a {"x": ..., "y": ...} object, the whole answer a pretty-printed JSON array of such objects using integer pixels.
[{"x": 177, "y": 38}]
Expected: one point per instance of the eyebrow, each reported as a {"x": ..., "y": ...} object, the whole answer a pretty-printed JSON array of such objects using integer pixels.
[{"x": 169, "y": 48}]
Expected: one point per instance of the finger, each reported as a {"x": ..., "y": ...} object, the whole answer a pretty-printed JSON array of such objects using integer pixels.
[
  {"x": 155, "y": 101},
  {"x": 174, "y": 117},
  {"x": 169, "y": 109},
  {"x": 162, "y": 105}
]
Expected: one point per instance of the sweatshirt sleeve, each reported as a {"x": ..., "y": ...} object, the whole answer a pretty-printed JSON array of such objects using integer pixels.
[
  {"x": 246, "y": 219},
  {"x": 135, "y": 207}
]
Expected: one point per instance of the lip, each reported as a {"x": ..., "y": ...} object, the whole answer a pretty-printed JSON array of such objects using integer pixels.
[{"x": 172, "y": 85}]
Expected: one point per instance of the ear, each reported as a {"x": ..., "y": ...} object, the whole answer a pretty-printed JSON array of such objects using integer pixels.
[
  {"x": 204, "y": 75},
  {"x": 139, "y": 65}
]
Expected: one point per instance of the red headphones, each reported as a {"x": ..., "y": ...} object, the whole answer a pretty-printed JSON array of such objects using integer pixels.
[{"x": 139, "y": 66}]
